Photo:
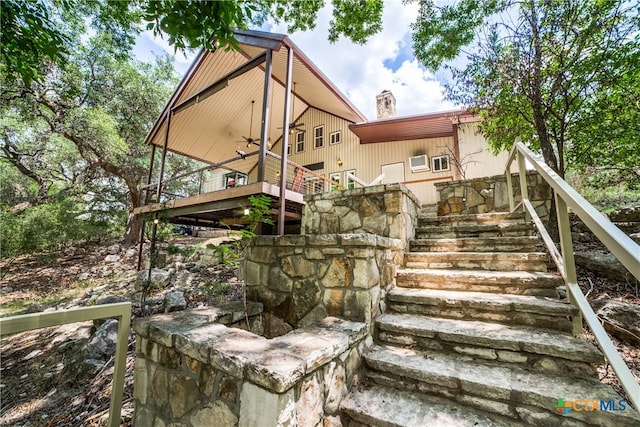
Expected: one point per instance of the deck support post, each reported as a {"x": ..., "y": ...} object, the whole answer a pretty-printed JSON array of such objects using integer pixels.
[
  {"x": 266, "y": 107},
  {"x": 145, "y": 201},
  {"x": 285, "y": 144}
]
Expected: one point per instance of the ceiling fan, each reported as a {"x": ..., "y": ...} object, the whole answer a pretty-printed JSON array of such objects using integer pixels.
[{"x": 250, "y": 141}]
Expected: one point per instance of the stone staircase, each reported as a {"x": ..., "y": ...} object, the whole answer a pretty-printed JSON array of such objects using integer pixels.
[{"x": 475, "y": 335}]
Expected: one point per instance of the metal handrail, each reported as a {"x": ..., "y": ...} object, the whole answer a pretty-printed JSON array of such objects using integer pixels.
[
  {"x": 620, "y": 245},
  {"x": 122, "y": 311}
]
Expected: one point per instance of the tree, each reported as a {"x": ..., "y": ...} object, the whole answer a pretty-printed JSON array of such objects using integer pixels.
[
  {"x": 43, "y": 31},
  {"x": 549, "y": 71},
  {"x": 82, "y": 127}
]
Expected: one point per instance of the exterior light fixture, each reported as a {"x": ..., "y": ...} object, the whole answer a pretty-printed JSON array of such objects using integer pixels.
[
  {"x": 247, "y": 211},
  {"x": 155, "y": 221},
  {"x": 339, "y": 162}
]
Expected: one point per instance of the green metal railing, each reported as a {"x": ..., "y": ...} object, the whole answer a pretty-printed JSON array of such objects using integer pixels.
[
  {"x": 121, "y": 311},
  {"x": 620, "y": 245}
]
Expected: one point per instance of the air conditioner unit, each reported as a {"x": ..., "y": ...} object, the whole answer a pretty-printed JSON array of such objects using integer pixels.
[{"x": 419, "y": 163}]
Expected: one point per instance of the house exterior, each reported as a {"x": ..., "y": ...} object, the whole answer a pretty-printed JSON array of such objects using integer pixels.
[{"x": 263, "y": 119}]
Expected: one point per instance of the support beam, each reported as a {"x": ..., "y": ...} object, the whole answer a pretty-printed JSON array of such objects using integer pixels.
[
  {"x": 285, "y": 144},
  {"x": 222, "y": 82},
  {"x": 266, "y": 110}
]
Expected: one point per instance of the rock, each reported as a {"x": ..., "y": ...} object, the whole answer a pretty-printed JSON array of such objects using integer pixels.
[
  {"x": 35, "y": 308},
  {"x": 102, "y": 344},
  {"x": 604, "y": 264},
  {"x": 174, "y": 301},
  {"x": 84, "y": 276},
  {"x": 111, "y": 299},
  {"x": 620, "y": 319},
  {"x": 631, "y": 214},
  {"x": 275, "y": 326},
  {"x": 159, "y": 278},
  {"x": 112, "y": 258},
  {"x": 114, "y": 249}
]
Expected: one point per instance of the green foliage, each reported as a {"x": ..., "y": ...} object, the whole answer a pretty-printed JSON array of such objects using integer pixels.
[
  {"x": 37, "y": 33},
  {"x": 440, "y": 32},
  {"x": 357, "y": 19},
  {"x": 217, "y": 291},
  {"x": 49, "y": 226},
  {"x": 563, "y": 90},
  {"x": 259, "y": 213}
]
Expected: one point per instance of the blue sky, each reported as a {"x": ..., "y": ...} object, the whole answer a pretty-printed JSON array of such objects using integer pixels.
[{"x": 360, "y": 71}]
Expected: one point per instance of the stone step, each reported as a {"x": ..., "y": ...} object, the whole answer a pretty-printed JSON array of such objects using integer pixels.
[
  {"x": 375, "y": 405},
  {"x": 428, "y": 211},
  {"x": 487, "y": 218},
  {"x": 476, "y": 244},
  {"x": 515, "y": 229},
  {"x": 501, "y": 282},
  {"x": 530, "y": 398},
  {"x": 502, "y": 261},
  {"x": 523, "y": 310},
  {"x": 536, "y": 349}
]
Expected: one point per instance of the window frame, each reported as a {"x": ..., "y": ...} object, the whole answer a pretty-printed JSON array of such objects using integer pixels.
[
  {"x": 335, "y": 179},
  {"x": 349, "y": 184},
  {"x": 317, "y": 138},
  {"x": 337, "y": 134},
  {"x": 439, "y": 159},
  {"x": 300, "y": 143}
]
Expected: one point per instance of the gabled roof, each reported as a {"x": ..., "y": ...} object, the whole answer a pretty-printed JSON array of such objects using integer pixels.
[
  {"x": 430, "y": 125},
  {"x": 208, "y": 124}
]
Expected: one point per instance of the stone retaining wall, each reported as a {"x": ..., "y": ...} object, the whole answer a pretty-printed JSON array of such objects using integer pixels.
[
  {"x": 191, "y": 371},
  {"x": 489, "y": 194},
  {"x": 304, "y": 278},
  {"x": 389, "y": 210}
]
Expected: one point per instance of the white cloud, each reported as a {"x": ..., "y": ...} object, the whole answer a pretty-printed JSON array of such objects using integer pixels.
[{"x": 359, "y": 71}]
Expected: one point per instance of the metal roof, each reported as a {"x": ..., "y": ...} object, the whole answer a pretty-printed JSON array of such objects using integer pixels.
[
  {"x": 210, "y": 125},
  {"x": 431, "y": 125}
]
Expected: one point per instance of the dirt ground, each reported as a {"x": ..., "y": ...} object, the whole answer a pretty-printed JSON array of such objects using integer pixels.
[{"x": 39, "y": 385}]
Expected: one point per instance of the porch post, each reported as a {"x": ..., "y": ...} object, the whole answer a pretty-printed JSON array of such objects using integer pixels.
[
  {"x": 285, "y": 144},
  {"x": 145, "y": 200},
  {"x": 164, "y": 157},
  {"x": 264, "y": 131}
]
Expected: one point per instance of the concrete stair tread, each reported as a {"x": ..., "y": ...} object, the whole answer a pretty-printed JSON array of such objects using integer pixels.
[
  {"x": 493, "y": 335},
  {"x": 489, "y": 276},
  {"x": 385, "y": 407},
  {"x": 494, "y": 261},
  {"x": 477, "y": 244},
  {"x": 510, "y": 384},
  {"x": 469, "y": 227},
  {"x": 491, "y": 217},
  {"x": 487, "y": 301}
]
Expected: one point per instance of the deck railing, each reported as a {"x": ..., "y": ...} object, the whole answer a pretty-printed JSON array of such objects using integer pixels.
[
  {"x": 620, "y": 245},
  {"x": 299, "y": 178},
  {"x": 220, "y": 177},
  {"x": 121, "y": 311}
]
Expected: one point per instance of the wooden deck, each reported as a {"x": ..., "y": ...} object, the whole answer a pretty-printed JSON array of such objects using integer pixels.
[{"x": 209, "y": 209}]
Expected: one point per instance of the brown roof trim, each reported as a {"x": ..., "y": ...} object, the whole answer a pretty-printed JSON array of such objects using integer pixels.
[{"x": 420, "y": 126}]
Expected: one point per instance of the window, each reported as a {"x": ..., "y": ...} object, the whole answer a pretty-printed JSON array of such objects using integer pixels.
[
  {"x": 318, "y": 137},
  {"x": 440, "y": 163},
  {"x": 349, "y": 183},
  {"x": 299, "y": 142},
  {"x": 335, "y": 138},
  {"x": 335, "y": 181},
  {"x": 288, "y": 149}
]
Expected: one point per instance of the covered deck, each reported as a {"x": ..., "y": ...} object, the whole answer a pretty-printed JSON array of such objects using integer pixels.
[{"x": 234, "y": 111}]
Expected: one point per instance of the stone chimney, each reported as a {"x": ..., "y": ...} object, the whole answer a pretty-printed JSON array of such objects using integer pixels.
[{"x": 386, "y": 104}]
